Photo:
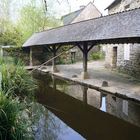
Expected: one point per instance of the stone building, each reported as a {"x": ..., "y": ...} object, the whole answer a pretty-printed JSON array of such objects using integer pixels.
[
  {"x": 124, "y": 57},
  {"x": 84, "y": 13}
]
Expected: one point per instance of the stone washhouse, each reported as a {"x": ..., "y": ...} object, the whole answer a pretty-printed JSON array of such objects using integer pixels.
[{"x": 118, "y": 28}]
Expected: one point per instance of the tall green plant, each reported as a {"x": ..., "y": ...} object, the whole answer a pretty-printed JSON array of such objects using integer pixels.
[
  {"x": 16, "y": 80},
  {"x": 13, "y": 126}
]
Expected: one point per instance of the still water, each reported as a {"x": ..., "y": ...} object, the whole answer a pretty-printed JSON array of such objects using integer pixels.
[{"x": 75, "y": 112}]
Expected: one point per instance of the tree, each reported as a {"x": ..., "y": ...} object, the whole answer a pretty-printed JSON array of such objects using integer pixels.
[
  {"x": 11, "y": 36},
  {"x": 34, "y": 19}
]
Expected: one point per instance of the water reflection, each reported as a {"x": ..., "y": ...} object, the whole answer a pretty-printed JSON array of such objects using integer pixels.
[
  {"x": 79, "y": 107},
  {"x": 126, "y": 110},
  {"x": 49, "y": 127},
  {"x": 103, "y": 102}
]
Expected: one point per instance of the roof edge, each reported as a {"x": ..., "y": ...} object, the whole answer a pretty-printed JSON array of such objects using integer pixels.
[{"x": 115, "y": 2}]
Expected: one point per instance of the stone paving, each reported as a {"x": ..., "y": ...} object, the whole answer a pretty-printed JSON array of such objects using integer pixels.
[{"x": 118, "y": 83}]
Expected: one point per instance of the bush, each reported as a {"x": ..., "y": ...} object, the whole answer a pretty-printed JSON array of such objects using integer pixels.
[{"x": 97, "y": 56}]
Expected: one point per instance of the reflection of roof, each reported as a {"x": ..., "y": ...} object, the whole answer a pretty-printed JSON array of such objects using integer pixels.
[
  {"x": 114, "y": 3},
  {"x": 71, "y": 16},
  {"x": 117, "y": 28}
]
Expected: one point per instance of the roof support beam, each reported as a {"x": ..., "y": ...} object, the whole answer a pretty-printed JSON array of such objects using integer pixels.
[
  {"x": 31, "y": 56},
  {"x": 54, "y": 50},
  {"x": 85, "y": 48}
]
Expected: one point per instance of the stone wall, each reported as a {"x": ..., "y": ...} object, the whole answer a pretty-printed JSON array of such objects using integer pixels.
[
  {"x": 131, "y": 66},
  {"x": 124, "y": 5}
]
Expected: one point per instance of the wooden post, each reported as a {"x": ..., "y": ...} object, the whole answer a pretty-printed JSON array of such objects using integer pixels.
[
  {"x": 31, "y": 56},
  {"x": 85, "y": 48},
  {"x": 54, "y": 51},
  {"x": 85, "y": 59}
]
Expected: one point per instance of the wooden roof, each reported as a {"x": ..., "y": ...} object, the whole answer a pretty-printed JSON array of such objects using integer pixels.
[{"x": 117, "y": 28}]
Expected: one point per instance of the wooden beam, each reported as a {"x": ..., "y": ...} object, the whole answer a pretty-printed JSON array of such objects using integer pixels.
[
  {"x": 80, "y": 47},
  {"x": 90, "y": 47},
  {"x": 50, "y": 48},
  {"x": 85, "y": 56},
  {"x": 31, "y": 56},
  {"x": 58, "y": 47},
  {"x": 54, "y": 51}
]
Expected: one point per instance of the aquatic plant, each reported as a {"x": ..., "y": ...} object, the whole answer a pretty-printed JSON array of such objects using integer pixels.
[
  {"x": 13, "y": 124},
  {"x": 16, "y": 80}
]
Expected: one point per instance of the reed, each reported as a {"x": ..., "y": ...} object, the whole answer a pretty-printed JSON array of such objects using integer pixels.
[
  {"x": 16, "y": 80},
  {"x": 12, "y": 124}
]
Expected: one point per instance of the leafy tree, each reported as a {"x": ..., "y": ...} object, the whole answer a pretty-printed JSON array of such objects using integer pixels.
[
  {"x": 11, "y": 36},
  {"x": 34, "y": 19}
]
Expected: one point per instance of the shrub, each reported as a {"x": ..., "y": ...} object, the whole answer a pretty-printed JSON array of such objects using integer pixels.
[{"x": 97, "y": 56}]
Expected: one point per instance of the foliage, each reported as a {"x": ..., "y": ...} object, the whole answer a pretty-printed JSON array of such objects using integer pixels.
[
  {"x": 97, "y": 56},
  {"x": 13, "y": 126},
  {"x": 16, "y": 80},
  {"x": 33, "y": 19},
  {"x": 11, "y": 36}
]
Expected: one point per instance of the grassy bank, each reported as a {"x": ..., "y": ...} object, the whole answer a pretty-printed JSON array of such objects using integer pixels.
[{"x": 17, "y": 86}]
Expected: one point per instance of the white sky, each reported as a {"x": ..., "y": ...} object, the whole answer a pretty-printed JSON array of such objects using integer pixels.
[
  {"x": 75, "y": 4},
  {"x": 63, "y": 8}
]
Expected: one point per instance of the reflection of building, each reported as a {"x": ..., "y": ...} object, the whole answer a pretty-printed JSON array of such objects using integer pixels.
[
  {"x": 87, "y": 95},
  {"x": 124, "y": 57},
  {"x": 124, "y": 109}
]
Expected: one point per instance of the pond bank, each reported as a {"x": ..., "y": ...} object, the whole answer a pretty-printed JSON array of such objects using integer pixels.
[{"x": 119, "y": 84}]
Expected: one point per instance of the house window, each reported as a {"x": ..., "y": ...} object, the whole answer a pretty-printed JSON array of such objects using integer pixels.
[{"x": 126, "y": 51}]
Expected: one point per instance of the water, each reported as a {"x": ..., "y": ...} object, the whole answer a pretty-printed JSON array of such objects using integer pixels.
[{"x": 81, "y": 113}]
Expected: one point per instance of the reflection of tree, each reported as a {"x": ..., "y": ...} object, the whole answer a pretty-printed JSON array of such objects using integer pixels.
[{"x": 45, "y": 125}]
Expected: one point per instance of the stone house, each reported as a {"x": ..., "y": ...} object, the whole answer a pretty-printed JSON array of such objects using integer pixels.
[
  {"x": 87, "y": 12},
  {"x": 84, "y": 13},
  {"x": 124, "y": 57}
]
